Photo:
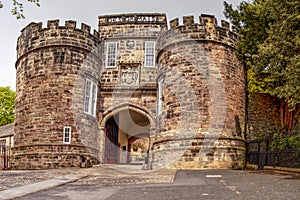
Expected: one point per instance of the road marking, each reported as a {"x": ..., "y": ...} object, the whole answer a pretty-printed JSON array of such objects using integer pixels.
[{"x": 213, "y": 176}]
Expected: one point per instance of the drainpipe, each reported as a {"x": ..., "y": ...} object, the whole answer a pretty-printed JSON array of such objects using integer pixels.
[{"x": 246, "y": 109}]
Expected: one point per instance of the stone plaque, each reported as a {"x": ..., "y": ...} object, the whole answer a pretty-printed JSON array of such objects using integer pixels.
[
  {"x": 129, "y": 75},
  {"x": 130, "y": 44}
]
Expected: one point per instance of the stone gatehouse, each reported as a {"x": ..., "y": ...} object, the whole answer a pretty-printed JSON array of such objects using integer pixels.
[{"x": 86, "y": 97}]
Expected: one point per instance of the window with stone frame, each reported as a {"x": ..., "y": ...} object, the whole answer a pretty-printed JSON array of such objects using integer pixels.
[
  {"x": 90, "y": 97},
  {"x": 149, "y": 60},
  {"x": 160, "y": 97},
  {"x": 111, "y": 54},
  {"x": 67, "y": 135}
]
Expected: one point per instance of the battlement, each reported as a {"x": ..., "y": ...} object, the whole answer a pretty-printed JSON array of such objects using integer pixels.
[
  {"x": 36, "y": 36},
  {"x": 206, "y": 29},
  {"x": 204, "y": 20},
  {"x": 135, "y": 18},
  {"x": 131, "y": 25},
  {"x": 54, "y": 24}
]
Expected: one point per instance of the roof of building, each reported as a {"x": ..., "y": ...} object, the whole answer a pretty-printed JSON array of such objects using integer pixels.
[{"x": 7, "y": 130}]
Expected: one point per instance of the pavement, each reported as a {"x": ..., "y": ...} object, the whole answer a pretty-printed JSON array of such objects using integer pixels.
[
  {"x": 273, "y": 168},
  {"x": 105, "y": 175},
  {"x": 192, "y": 185},
  {"x": 36, "y": 187}
]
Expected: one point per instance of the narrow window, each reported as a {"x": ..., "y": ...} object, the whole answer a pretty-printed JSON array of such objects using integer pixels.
[
  {"x": 93, "y": 100},
  {"x": 87, "y": 97},
  {"x": 160, "y": 98},
  {"x": 67, "y": 135},
  {"x": 90, "y": 97},
  {"x": 111, "y": 54},
  {"x": 149, "y": 54}
]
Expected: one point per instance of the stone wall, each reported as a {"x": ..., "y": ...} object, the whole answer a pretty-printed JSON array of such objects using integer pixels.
[
  {"x": 130, "y": 31},
  {"x": 263, "y": 117},
  {"x": 53, "y": 63},
  {"x": 202, "y": 122},
  {"x": 129, "y": 83},
  {"x": 130, "y": 25}
]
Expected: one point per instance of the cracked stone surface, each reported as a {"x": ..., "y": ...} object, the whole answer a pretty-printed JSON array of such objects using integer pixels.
[
  {"x": 98, "y": 175},
  {"x": 125, "y": 175},
  {"x": 11, "y": 179}
]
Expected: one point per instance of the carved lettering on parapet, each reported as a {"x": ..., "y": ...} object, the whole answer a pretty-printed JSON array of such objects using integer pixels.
[
  {"x": 120, "y": 19},
  {"x": 129, "y": 76},
  {"x": 125, "y": 19},
  {"x": 147, "y": 19}
]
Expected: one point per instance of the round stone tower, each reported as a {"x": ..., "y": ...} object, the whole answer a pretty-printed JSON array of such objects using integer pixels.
[
  {"x": 55, "y": 66},
  {"x": 201, "y": 96}
]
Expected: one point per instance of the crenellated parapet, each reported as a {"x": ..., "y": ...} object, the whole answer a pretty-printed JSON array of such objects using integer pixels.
[
  {"x": 203, "y": 91},
  {"x": 53, "y": 66},
  {"x": 135, "y": 18},
  {"x": 131, "y": 25},
  {"x": 35, "y": 36},
  {"x": 207, "y": 29}
]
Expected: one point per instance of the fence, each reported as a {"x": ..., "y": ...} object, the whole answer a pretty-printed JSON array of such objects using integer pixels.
[
  {"x": 4, "y": 156},
  {"x": 262, "y": 153}
]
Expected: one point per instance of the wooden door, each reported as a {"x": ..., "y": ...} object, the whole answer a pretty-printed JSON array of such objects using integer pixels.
[{"x": 111, "y": 141}]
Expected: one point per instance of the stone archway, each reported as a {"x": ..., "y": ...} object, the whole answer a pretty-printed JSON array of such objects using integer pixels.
[
  {"x": 122, "y": 125},
  {"x": 128, "y": 106}
]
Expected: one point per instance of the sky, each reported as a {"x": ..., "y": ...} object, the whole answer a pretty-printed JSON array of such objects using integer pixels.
[{"x": 87, "y": 12}]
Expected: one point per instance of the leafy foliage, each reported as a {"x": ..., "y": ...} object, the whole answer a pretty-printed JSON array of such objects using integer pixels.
[
  {"x": 7, "y": 102},
  {"x": 140, "y": 144},
  {"x": 270, "y": 46},
  {"x": 17, "y": 9},
  {"x": 290, "y": 142}
]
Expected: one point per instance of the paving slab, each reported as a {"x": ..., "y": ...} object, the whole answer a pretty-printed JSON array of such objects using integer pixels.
[
  {"x": 36, "y": 187},
  {"x": 192, "y": 185}
]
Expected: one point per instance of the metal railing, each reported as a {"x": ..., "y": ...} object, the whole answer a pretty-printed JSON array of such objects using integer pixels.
[
  {"x": 262, "y": 152},
  {"x": 4, "y": 157}
]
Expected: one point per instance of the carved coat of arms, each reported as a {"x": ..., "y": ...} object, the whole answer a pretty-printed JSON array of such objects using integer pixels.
[
  {"x": 130, "y": 44},
  {"x": 129, "y": 75}
]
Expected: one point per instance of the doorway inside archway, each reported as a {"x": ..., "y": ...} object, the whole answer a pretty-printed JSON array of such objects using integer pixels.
[{"x": 127, "y": 138}]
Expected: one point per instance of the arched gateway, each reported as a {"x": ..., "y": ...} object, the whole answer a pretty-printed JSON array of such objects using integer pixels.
[{"x": 121, "y": 126}]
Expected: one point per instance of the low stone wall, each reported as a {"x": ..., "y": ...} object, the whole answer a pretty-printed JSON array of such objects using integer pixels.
[
  {"x": 46, "y": 156},
  {"x": 200, "y": 153}
]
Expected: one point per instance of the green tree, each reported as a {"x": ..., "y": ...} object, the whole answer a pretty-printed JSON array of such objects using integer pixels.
[
  {"x": 17, "y": 9},
  {"x": 269, "y": 48},
  {"x": 7, "y": 102}
]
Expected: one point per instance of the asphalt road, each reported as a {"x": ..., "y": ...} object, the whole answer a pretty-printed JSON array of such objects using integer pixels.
[{"x": 188, "y": 185}]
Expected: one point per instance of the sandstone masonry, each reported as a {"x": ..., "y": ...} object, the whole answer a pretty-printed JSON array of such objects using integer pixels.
[{"x": 83, "y": 98}]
